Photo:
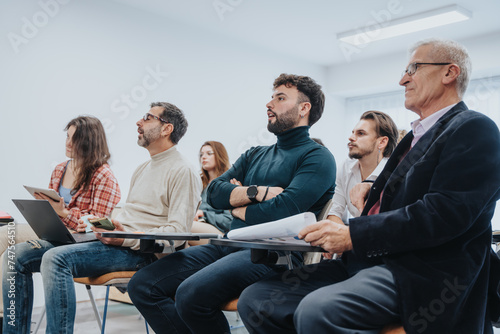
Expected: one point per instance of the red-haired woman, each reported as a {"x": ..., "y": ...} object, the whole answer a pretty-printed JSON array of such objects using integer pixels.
[{"x": 214, "y": 162}]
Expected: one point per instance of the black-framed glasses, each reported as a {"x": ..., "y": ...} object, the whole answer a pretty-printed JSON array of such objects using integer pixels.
[
  {"x": 147, "y": 115},
  {"x": 413, "y": 67}
]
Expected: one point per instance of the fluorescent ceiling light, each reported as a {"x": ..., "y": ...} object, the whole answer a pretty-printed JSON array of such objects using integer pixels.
[{"x": 377, "y": 30}]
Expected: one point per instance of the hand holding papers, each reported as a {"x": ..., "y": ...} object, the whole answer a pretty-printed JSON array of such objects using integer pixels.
[{"x": 283, "y": 230}]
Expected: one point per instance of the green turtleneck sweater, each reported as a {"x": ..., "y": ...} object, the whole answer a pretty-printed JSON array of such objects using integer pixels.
[{"x": 304, "y": 169}]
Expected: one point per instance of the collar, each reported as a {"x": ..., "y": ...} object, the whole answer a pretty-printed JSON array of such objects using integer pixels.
[
  {"x": 164, "y": 155},
  {"x": 293, "y": 137},
  {"x": 354, "y": 167},
  {"x": 420, "y": 127}
]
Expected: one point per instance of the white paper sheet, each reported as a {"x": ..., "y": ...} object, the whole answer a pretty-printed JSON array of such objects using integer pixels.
[{"x": 283, "y": 230}]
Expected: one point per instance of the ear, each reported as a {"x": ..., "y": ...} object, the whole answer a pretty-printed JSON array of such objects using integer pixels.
[
  {"x": 167, "y": 129},
  {"x": 382, "y": 144},
  {"x": 304, "y": 108},
  {"x": 452, "y": 74}
]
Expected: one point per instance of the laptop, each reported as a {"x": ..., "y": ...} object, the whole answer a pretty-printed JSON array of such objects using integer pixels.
[{"x": 47, "y": 224}]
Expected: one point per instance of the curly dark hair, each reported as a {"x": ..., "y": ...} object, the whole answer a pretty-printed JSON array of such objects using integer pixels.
[{"x": 309, "y": 91}]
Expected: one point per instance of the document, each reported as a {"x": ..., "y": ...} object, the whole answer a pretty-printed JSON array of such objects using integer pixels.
[{"x": 283, "y": 230}]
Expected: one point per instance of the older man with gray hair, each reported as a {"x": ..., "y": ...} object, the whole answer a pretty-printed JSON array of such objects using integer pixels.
[{"x": 420, "y": 253}]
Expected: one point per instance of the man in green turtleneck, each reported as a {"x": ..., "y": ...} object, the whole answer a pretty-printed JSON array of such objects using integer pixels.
[{"x": 183, "y": 292}]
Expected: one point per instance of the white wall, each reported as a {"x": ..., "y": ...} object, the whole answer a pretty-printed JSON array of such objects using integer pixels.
[
  {"x": 382, "y": 74},
  {"x": 89, "y": 57},
  {"x": 91, "y": 54},
  {"x": 86, "y": 57}
]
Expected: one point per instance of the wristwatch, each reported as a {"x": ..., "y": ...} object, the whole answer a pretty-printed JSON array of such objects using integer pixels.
[{"x": 252, "y": 192}]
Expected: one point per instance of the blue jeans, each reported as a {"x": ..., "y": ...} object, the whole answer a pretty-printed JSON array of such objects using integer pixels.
[
  {"x": 58, "y": 266},
  {"x": 184, "y": 292}
]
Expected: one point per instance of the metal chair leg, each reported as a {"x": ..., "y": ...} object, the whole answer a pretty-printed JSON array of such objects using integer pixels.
[
  {"x": 39, "y": 321},
  {"x": 105, "y": 312},
  {"x": 94, "y": 306},
  {"x": 100, "y": 321}
]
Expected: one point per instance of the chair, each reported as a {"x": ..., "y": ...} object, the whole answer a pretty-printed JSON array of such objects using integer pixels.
[
  {"x": 118, "y": 279},
  {"x": 309, "y": 258},
  {"x": 398, "y": 329},
  {"x": 315, "y": 257}
]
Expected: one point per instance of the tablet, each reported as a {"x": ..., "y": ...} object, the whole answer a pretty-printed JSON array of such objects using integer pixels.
[{"x": 47, "y": 192}]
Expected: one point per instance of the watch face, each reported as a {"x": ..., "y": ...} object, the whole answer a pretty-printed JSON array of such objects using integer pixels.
[{"x": 252, "y": 192}]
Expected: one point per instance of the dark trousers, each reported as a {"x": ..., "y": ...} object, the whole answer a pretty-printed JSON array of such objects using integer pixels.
[
  {"x": 183, "y": 292},
  {"x": 321, "y": 298}
]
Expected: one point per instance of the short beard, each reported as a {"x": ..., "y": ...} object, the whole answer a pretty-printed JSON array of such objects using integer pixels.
[
  {"x": 284, "y": 122},
  {"x": 361, "y": 153},
  {"x": 149, "y": 136},
  {"x": 355, "y": 156}
]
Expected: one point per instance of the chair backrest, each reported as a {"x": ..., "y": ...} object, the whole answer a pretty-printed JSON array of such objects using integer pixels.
[
  {"x": 326, "y": 209},
  {"x": 315, "y": 257}
]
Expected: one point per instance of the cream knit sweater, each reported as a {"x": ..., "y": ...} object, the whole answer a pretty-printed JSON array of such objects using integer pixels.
[{"x": 163, "y": 197}]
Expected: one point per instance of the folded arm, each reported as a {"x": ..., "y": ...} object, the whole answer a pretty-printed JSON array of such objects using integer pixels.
[{"x": 313, "y": 178}]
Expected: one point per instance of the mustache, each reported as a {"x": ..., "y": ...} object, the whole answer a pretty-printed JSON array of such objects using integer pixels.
[{"x": 272, "y": 112}]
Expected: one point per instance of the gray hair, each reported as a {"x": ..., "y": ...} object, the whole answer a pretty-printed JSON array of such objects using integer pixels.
[
  {"x": 174, "y": 116},
  {"x": 446, "y": 51}
]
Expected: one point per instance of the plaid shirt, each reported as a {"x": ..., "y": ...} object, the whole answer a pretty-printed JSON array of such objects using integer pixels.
[{"x": 99, "y": 200}]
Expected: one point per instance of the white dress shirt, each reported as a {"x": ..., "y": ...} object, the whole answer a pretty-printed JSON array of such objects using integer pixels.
[
  {"x": 347, "y": 177},
  {"x": 420, "y": 127}
]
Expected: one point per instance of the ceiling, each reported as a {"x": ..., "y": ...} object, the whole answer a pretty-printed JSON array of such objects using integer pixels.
[{"x": 307, "y": 29}]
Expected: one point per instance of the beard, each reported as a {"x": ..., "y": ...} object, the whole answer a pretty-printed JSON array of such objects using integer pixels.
[
  {"x": 284, "y": 122},
  {"x": 360, "y": 153},
  {"x": 149, "y": 136}
]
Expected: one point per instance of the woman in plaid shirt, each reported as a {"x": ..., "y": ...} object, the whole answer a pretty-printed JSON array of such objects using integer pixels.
[{"x": 85, "y": 183}]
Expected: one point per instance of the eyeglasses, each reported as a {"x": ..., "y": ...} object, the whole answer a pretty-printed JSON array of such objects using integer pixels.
[
  {"x": 147, "y": 115},
  {"x": 413, "y": 67}
]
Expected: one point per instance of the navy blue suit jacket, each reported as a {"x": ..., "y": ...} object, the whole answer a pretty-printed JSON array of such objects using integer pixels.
[{"x": 434, "y": 227}]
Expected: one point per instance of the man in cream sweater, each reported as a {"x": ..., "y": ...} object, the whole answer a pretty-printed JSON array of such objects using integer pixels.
[
  {"x": 163, "y": 197},
  {"x": 164, "y": 191}
]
